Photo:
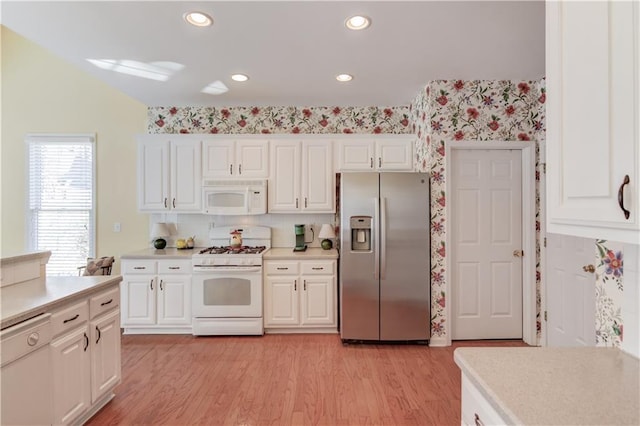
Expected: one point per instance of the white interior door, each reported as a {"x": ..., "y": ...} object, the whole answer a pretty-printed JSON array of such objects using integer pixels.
[
  {"x": 486, "y": 256},
  {"x": 571, "y": 292}
]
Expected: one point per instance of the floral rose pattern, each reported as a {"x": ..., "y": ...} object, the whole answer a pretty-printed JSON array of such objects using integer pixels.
[
  {"x": 453, "y": 110},
  {"x": 282, "y": 120},
  {"x": 609, "y": 293}
]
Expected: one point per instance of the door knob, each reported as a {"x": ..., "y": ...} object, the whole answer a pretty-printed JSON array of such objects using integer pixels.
[
  {"x": 589, "y": 268},
  {"x": 518, "y": 253}
]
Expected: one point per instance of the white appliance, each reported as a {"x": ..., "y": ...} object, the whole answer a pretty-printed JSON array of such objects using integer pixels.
[
  {"x": 227, "y": 283},
  {"x": 234, "y": 197},
  {"x": 25, "y": 361}
]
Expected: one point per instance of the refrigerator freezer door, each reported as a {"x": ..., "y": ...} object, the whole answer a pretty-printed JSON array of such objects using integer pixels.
[
  {"x": 405, "y": 257},
  {"x": 359, "y": 285}
]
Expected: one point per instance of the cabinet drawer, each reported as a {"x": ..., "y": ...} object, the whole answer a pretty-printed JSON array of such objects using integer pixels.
[
  {"x": 104, "y": 302},
  {"x": 282, "y": 268},
  {"x": 138, "y": 267},
  {"x": 318, "y": 268},
  {"x": 174, "y": 267},
  {"x": 476, "y": 410},
  {"x": 69, "y": 317}
]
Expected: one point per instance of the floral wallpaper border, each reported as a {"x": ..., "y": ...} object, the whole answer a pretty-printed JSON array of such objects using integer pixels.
[
  {"x": 609, "y": 293},
  {"x": 279, "y": 120},
  {"x": 447, "y": 111}
]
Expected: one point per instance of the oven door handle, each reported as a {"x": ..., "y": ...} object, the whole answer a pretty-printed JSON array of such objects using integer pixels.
[{"x": 207, "y": 269}]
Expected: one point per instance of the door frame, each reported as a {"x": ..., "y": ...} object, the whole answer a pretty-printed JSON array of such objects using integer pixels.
[{"x": 528, "y": 154}]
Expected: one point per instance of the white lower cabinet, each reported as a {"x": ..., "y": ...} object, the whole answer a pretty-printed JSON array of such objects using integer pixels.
[
  {"x": 156, "y": 296},
  {"x": 300, "y": 295},
  {"x": 476, "y": 410},
  {"x": 85, "y": 356}
]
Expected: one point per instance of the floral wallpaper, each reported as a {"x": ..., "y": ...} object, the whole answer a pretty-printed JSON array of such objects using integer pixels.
[
  {"x": 282, "y": 120},
  {"x": 447, "y": 111},
  {"x": 609, "y": 293}
]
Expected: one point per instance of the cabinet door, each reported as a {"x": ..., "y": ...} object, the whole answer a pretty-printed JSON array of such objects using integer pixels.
[
  {"x": 591, "y": 81},
  {"x": 394, "y": 154},
  {"x": 355, "y": 155},
  {"x": 252, "y": 158},
  {"x": 318, "y": 179},
  {"x": 174, "y": 300},
  {"x": 71, "y": 375},
  {"x": 218, "y": 158},
  {"x": 186, "y": 176},
  {"x": 105, "y": 353},
  {"x": 284, "y": 185},
  {"x": 318, "y": 300},
  {"x": 138, "y": 299},
  {"x": 281, "y": 301},
  {"x": 153, "y": 175}
]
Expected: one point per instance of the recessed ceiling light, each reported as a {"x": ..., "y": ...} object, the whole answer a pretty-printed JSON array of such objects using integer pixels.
[
  {"x": 198, "y": 19},
  {"x": 344, "y": 77},
  {"x": 239, "y": 77},
  {"x": 358, "y": 22}
]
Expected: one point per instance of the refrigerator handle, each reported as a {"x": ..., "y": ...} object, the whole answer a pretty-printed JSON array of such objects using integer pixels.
[
  {"x": 376, "y": 226},
  {"x": 383, "y": 238}
]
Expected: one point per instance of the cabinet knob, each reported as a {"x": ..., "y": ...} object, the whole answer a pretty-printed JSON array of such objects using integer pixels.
[
  {"x": 589, "y": 268},
  {"x": 518, "y": 253}
]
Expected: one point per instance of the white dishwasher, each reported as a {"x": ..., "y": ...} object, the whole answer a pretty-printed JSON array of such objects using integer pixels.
[{"x": 25, "y": 373}]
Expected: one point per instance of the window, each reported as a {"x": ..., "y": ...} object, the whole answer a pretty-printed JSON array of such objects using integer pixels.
[{"x": 61, "y": 199}]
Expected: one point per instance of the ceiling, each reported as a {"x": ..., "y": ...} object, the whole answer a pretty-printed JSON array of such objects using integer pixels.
[{"x": 291, "y": 50}]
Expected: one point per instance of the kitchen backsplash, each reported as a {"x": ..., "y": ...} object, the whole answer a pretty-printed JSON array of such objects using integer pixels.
[
  {"x": 282, "y": 235},
  {"x": 283, "y": 120}
]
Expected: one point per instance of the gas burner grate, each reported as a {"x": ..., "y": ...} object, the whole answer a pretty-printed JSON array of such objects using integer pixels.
[{"x": 233, "y": 250}]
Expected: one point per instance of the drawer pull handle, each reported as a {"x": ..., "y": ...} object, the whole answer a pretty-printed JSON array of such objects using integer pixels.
[
  {"x": 161, "y": 281},
  {"x": 165, "y": 202},
  {"x": 305, "y": 285},
  {"x": 174, "y": 267},
  {"x": 106, "y": 303},
  {"x": 151, "y": 283},
  {"x": 282, "y": 269},
  {"x": 476, "y": 419},
  {"x": 139, "y": 267},
  {"x": 71, "y": 319},
  {"x": 99, "y": 334},
  {"x": 621, "y": 197},
  {"x": 295, "y": 285},
  {"x": 174, "y": 203},
  {"x": 86, "y": 342},
  {"x": 318, "y": 269},
  {"x": 371, "y": 166}
]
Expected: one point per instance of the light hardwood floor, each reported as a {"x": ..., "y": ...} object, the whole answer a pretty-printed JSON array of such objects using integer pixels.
[{"x": 284, "y": 380}]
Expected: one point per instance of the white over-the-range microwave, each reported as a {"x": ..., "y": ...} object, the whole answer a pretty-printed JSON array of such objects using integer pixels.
[{"x": 234, "y": 197}]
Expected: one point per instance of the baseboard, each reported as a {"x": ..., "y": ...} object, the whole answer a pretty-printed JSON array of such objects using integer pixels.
[
  {"x": 438, "y": 342},
  {"x": 300, "y": 331},
  {"x": 157, "y": 330}
]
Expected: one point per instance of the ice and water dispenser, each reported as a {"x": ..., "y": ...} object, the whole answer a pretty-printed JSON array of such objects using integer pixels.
[{"x": 360, "y": 233}]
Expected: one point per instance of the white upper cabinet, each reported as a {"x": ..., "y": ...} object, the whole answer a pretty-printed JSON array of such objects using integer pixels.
[
  {"x": 235, "y": 159},
  {"x": 302, "y": 178},
  {"x": 375, "y": 153},
  {"x": 593, "y": 117},
  {"x": 169, "y": 174}
]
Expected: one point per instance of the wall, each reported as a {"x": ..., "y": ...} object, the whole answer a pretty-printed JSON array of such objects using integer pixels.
[
  {"x": 283, "y": 120},
  {"x": 447, "y": 111},
  {"x": 42, "y": 93}
]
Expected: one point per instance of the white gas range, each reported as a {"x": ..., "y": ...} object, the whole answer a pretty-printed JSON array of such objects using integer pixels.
[{"x": 227, "y": 283}]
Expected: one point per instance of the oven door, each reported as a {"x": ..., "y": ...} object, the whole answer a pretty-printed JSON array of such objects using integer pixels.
[{"x": 227, "y": 292}]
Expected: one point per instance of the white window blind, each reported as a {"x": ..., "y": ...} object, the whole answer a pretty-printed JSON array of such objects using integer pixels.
[{"x": 61, "y": 199}]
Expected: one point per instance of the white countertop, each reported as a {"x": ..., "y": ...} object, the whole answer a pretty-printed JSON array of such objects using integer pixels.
[
  {"x": 19, "y": 302},
  {"x": 312, "y": 253},
  {"x": 167, "y": 253},
  {"x": 556, "y": 386}
]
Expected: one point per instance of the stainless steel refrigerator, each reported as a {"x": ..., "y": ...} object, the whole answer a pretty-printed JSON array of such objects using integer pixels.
[{"x": 384, "y": 257}]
